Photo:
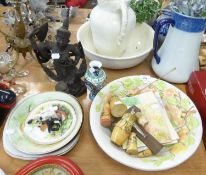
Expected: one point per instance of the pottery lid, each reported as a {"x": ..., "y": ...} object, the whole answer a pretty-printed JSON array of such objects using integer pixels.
[{"x": 95, "y": 74}]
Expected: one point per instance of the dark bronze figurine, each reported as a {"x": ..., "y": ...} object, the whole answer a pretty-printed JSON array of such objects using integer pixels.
[{"x": 65, "y": 59}]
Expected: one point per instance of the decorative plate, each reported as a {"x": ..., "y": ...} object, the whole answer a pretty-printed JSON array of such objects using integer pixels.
[
  {"x": 19, "y": 114},
  {"x": 50, "y": 122},
  {"x": 187, "y": 124},
  {"x": 51, "y": 165}
]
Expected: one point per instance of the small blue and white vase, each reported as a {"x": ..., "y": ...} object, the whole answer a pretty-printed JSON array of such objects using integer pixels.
[{"x": 94, "y": 79}]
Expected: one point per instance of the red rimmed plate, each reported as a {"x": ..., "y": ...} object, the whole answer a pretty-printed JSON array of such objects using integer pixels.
[{"x": 51, "y": 165}]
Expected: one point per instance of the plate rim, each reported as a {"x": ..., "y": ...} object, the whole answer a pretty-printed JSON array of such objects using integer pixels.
[
  {"x": 92, "y": 109},
  {"x": 61, "y": 161},
  {"x": 68, "y": 147}
]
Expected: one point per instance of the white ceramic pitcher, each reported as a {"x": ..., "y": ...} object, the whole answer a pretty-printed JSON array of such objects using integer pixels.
[
  {"x": 180, "y": 50},
  {"x": 112, "y": 22}
]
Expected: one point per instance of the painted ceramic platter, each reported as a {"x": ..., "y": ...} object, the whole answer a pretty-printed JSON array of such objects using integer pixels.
[
  {"x": 187, "y": 124},
  {"x": 51, "y": 165},
  {"x": 13, "y": 152},
  {"x": 19, "y": 114},
  {"x": 50, "y": 122}
]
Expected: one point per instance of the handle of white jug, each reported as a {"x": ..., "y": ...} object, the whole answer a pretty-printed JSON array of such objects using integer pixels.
[
  {"x": 158, "y": 27},
  {"x": 124, "y": 20}
]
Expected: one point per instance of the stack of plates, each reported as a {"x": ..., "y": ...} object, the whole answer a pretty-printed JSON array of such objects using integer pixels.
[{"x": 43, "y": 124}]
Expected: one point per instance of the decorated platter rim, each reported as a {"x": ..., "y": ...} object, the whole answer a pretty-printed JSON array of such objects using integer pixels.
[
  {"x": 10, "y": 149},
  {"x": 66, "y": 164}
]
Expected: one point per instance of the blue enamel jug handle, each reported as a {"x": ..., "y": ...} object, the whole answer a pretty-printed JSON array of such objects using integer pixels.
[{"x": 160, "y": 23}]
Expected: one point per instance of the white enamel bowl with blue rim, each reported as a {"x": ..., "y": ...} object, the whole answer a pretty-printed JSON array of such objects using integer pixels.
[
  {"x": 137, "y": 50},
  {"x": 174, "y": 155}
]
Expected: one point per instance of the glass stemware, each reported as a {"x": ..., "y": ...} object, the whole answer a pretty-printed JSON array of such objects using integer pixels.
[
  {"x": 4, "y": 63},
  {"x": 9, "y": 74}
]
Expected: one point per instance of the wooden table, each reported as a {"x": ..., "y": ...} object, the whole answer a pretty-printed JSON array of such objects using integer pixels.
[{"x": 87, "y": 154}]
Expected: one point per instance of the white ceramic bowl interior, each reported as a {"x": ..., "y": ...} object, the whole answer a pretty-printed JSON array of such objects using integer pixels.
[{"x": 140, "y": 45}]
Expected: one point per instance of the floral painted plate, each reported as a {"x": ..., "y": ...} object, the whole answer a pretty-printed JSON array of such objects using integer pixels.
[
  {"x": 19, "y": 114},
  {"x": 183, "y": 116},
  {"x": 38, "y": 124},
  {"x": 51, "y": 165}
]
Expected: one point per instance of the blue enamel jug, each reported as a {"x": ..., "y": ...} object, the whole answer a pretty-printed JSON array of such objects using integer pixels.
[{"x": 180, "y": 49}]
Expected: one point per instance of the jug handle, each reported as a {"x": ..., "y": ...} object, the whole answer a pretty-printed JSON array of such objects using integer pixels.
[
  {"x": 160, "y": 23},
  {"x": 124, "y": 9}
]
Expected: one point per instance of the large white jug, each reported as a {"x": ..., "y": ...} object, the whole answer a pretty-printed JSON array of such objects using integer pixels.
[
  {"x": 180, "y": 50},
  {"x": 112, "y": 22}
]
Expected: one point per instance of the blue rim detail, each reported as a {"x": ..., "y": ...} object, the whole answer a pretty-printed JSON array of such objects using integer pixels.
[{"x": 188, "y": 23}]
